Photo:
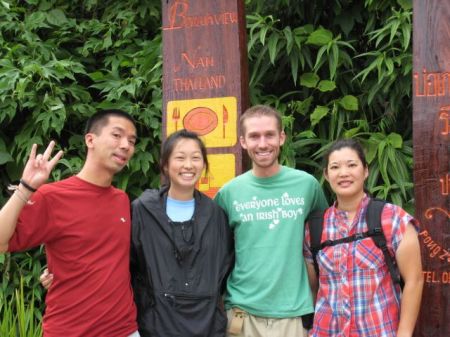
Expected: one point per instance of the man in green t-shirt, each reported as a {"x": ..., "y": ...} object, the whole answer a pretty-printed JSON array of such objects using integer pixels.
[{"x": 268, "y": 290}]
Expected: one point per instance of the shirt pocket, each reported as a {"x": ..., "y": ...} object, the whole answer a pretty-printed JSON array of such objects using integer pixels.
[
  {"x": 367, "y": 255},
  {"x": 330, "y": 259}
]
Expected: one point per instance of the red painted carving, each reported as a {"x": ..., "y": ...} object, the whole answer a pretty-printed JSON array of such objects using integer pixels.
[
  {"x": 179, "y": 18},
  {"x": 445, "y": 182},
  {"x": 434, "y": 249},
  {"x": 431, "y": 84},
  {"x": 196, "y": 62},
  {"x": 444, "y": 115},
  {"x": 199, "y": 83},
  {"x": 429, "y": 212}
]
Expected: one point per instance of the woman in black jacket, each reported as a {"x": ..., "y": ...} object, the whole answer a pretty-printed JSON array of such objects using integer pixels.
[{"x": 181, "y": 248}]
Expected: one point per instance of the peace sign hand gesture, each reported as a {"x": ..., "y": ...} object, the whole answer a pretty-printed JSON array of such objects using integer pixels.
[{"x": 38, "y": 167}]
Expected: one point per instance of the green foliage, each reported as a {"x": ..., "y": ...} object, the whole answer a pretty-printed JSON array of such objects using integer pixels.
[
  {"x": 346, "y": 66},
  {"x": 61, "y": 61},
  {"x": 19, "y": 318}
]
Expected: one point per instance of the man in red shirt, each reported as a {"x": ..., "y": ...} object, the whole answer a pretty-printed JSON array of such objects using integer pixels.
[{"x": 84, "y": 223}]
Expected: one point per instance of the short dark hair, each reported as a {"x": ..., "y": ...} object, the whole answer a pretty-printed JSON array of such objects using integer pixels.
[
  {"x": 345, "y": 143},
  {"x": 101, "y": 118},
  {"x": 258, "y": 111},
  {"x": 169, "y": 144}
]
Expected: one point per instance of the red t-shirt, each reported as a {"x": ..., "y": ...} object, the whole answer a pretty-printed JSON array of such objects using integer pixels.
[{"x": 86, "y": 232}]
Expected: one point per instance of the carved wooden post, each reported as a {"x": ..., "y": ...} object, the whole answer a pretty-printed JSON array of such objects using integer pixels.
[
  {"x": 431, "y": 109},
  {"x": 205, "y": 80}
]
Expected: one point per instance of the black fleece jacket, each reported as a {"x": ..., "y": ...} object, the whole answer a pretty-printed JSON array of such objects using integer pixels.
[{"x": 179, "y": 269}]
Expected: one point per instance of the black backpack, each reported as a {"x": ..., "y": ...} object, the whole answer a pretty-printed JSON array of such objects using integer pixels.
[{"x": 375, "y": 231}]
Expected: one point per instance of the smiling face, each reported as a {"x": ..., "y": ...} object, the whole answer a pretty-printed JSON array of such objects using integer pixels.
[
  {"x": 262, "y": 139},
  {"x": 184, "y": 167},
  {"x": 111, "y": 147},
  {"x": 346, "y": 173}
]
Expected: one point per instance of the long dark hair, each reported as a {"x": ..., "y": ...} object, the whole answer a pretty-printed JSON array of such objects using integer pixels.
[{"x": 170, "y": 143}]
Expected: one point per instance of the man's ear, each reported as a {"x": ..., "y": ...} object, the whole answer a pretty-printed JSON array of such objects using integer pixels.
[
  {"x": 282, "y": 137},
  {"x": 89, "y": 140},
  {"x": 242, "y": 141}
]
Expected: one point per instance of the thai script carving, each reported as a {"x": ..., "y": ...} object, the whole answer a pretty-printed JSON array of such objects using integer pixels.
[{"x": 431, "y": 84}]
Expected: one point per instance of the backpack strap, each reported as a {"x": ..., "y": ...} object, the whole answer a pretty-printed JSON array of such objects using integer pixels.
[
  {"x": 375, "y": 231},
  {"x": 373, "y": 218},
  {"x": 315, "y": 223}
]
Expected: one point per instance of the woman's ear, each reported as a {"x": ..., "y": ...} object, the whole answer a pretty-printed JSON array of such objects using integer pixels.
[{"x": 325, "y": 174}]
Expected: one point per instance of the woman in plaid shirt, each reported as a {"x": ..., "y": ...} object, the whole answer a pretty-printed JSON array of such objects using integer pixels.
[{"x": 356, "y": 295}]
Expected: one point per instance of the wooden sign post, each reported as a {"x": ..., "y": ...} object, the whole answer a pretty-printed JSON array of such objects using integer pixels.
[
  {"x": 205, "y": 80},
  {"x": 431, "y": 118}
]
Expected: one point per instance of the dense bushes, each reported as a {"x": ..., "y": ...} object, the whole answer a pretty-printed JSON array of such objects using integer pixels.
[
  {"x": 335, "y": 68},
  {"x": 338, "y": 69}
]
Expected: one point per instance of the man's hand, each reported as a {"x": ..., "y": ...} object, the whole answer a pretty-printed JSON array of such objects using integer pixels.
[
  {"x": 35, "y": 173},
  {"x": 38, "y": 167},
  {"x": 46, "y": 279}
]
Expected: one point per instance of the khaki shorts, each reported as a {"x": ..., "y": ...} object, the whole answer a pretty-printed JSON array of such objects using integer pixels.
[{"x": 242, "y": 324}]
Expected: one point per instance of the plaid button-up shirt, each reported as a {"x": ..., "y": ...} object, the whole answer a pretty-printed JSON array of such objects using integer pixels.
[{"x": 356, "y": 294}]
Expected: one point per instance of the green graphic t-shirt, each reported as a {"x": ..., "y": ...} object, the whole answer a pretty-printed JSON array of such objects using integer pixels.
[{"x": 267, "y": 216}]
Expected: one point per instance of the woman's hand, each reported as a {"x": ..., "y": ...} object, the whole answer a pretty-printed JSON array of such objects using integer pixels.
[{"x": 46, "y": 279}]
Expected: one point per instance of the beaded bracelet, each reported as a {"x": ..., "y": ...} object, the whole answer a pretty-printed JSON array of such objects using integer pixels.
[
  {"x": 18, "y": 193},
  {"x": 28, "y": 187}
]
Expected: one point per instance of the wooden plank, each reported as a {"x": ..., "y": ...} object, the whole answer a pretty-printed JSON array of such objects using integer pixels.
[
  {"x": 205, "y": 79},
  {"x": 431, "y": 111}
]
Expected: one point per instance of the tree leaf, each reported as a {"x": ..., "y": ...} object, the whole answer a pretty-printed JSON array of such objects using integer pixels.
[
  {"x": 326, "y": 85},
  {"x": 405, "y": 4},
  {"x": 5, "y": 157},
  {"x": 289, "y": 39},
  {"x": 302, "y": 107},
  {"x": 318, "y": 113},
  {"x": 349, "y": 102},
  {"x": 333, "y": 59},
  {"x": 36, "y": 20},
  {"x": 309, "y": 80},
  {"x": 5, "y": 4},
  {"x": 107, "y": 40},
  {"x": 272, "y": 45},
  {"x": 395, "y": 140},
  {"x": 294, "y": 66},
  {"x": 320, "y": 37},
  {"x": 372, "y": 149},
  {"x": 56, "y": 17}
]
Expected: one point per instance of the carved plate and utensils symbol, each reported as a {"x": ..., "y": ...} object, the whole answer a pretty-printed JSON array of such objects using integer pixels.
[
  {"x": 201, "y": 120},
  {"x": 176, "y": 116},
  {"x": 224, "y": 119}
]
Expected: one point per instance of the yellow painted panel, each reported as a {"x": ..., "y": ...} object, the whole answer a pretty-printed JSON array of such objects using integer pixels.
[
  {"x": 214, "y": 119},
  {"x": 222, "y": 168}
]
